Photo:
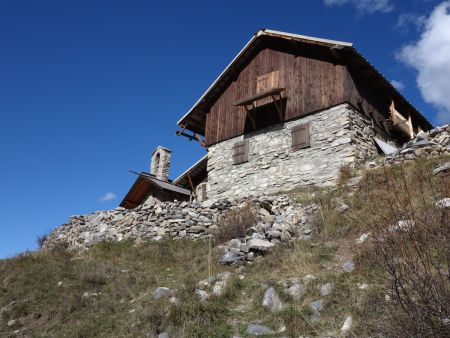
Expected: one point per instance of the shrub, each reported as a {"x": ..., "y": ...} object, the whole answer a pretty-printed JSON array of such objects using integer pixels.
[
  {"x": 235, "y": 222},
  {"x": 346, "y": 172},
  {"x": 41, "y": 240},
  {"x": 410, "y": 242}
]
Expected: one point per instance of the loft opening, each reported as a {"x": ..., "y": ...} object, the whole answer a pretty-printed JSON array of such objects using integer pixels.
[{"x": 267, "y": 107}]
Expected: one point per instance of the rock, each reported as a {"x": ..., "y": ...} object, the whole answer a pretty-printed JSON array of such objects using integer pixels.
[
  {"x": 12, "y": 322},
  {"x": 231, "y": 257},
  {"x": 206, "y": 282},
  {"x": 219, "y": 288},
  {"x": 314, "y": 318},
  {"x": 402, "y": 225},
  {"x": 296, "y": 291},
  {"x": 285, "y": 236},
  {"x": 273, "y": 234},
  {"x": 202, "y": 295},
  {"x": 174, "y": 300},
  {"x": 234, "y": 243},
  {"x": 348, "y": 266},
  {"x": 326, "y": 289},
  {"x": 271, "y": 300},
  {"x": 343, "y": 207},
  {"x": 89, "y": 294},
  {"x": 224, "y": 276},
  {"x": 260, "y": 244},
  {"x": 308, "y": 279},
  {"x": 161, "y": 292},
  {"x": 163, "y": 335},
  {"x": 443, "y": 203},
  {"x": 361, "y": 239},
  {"x": 442, "y": 169},
  {"x": 346, "y": 327},
  {"x": 316, "y": 306},
  {"x": 363, "y": 286},
  {"x": 257, "y": 329}
]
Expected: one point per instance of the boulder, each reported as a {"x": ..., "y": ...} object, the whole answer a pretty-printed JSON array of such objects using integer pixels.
[
  {"x": 296, "y": 291},
  {"x": 161, "y": 292},
  {"x": 260, "y": 244},
  {"x": 348, "y": 266},
  {"x": 346, "y": 327},
  {"x": 326, "y": 289},
  {"x": 257, "y": 330},
  {"x": 202, "y": 295},
  {"x": 317, "y": 306},
  {"x": 271, "y": 300},
  {"x": 231, "y": 257}
]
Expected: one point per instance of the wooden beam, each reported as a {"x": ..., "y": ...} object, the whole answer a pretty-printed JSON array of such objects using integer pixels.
[
  {"x": 192, "y": 186},
  {"x": 249, "y": 113},
  {"x": 278, "y": 106}
]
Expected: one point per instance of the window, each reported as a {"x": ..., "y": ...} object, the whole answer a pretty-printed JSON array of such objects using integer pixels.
[
  {"x": 240, "y": 152},
  {"x": 300, "y": 137}
]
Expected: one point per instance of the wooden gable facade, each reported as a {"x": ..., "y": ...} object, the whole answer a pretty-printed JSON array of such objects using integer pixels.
[{"x": 307, "y": 77}]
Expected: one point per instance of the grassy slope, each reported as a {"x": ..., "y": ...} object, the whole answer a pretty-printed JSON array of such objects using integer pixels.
[{"x": 124, "y": 276}]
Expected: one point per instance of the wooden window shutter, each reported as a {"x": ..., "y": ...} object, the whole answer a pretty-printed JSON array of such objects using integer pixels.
[
  {"x": 301, "y": 137},
  {"x": 240, "y": 152},
  {"x": 267, "y": 81}
]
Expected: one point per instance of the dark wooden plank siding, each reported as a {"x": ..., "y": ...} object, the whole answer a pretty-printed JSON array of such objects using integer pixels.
[{"x": 311, "y": 83}]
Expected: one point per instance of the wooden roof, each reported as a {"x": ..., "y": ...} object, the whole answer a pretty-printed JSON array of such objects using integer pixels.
[
  {"x": 147, "y": 184},
  {"x": 197, "y": 172},
  {"x": 195, "y": 118}
]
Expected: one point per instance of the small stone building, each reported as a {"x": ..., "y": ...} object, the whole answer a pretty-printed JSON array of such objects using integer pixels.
[{"x": 288, "y": 111}]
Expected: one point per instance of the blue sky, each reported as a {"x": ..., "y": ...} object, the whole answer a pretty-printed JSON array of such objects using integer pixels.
[{"x": 89, "y": 88}]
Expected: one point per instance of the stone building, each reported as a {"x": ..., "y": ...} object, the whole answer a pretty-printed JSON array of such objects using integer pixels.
[{"x": 288, "y": 111}]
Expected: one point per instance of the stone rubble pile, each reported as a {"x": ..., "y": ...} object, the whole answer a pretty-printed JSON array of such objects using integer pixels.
[
  {"x": 280, "y": 220},
  {"x": 432, "y": 143}
]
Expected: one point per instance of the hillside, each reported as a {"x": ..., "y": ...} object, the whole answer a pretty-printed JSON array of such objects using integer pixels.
[{"x": 376, "y": 265}]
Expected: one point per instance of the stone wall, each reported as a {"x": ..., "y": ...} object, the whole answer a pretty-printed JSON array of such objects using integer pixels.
[
  {"x": 339, "y": 135},
  {"x": 279, "y": 219}
]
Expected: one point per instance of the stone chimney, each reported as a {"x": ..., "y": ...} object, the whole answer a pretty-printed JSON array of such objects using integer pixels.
[{"x": 160, "y": 163}]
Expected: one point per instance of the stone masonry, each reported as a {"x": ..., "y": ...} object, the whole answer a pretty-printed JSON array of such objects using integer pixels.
[
  {"x": 160, "y": 163},
  {"x": 339, "y": 136}
]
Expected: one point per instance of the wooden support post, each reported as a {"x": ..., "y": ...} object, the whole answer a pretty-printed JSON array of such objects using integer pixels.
[
  {"x": 249, "y": 113},
  {"x": 199, "y": 139},
  {"x": 278, "y": 106},
  {"x": 192, "y": 186}
]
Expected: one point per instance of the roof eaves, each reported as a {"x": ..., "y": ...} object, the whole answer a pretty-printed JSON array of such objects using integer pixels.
[
  {"x": 307, "y": 38},
  {"x": 261, "y": 32},
  {"x": 175, "y": 181}
]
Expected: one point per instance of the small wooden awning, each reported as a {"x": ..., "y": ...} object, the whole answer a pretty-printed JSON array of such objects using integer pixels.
[
  {"x": 268, "y": 93},
  {"x": 250, "y": 103}
]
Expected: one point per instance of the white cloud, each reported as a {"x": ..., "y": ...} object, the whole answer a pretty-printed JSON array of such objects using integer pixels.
[
  {"x": 398, "y": 84},
  {"x": 109, "y": 196},
  {"x": 364, "y": 6},
  {"x": 430, "y": 56},
  {"x": 406, "y": 20}
]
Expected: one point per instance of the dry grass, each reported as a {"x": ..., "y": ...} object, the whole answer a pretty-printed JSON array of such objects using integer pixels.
[
  {"x": 235, "y": 222},
  {"x": 411, "y": 241},
  {"x": 409, "y": 265},
  {"x": 123, "y": 276}
]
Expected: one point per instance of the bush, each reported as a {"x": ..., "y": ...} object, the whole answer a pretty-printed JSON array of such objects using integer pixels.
[
  {"x": 235, "y": 222},
  {"x": 41, "y": 240},
  {"x": 411, "y": 240}
]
